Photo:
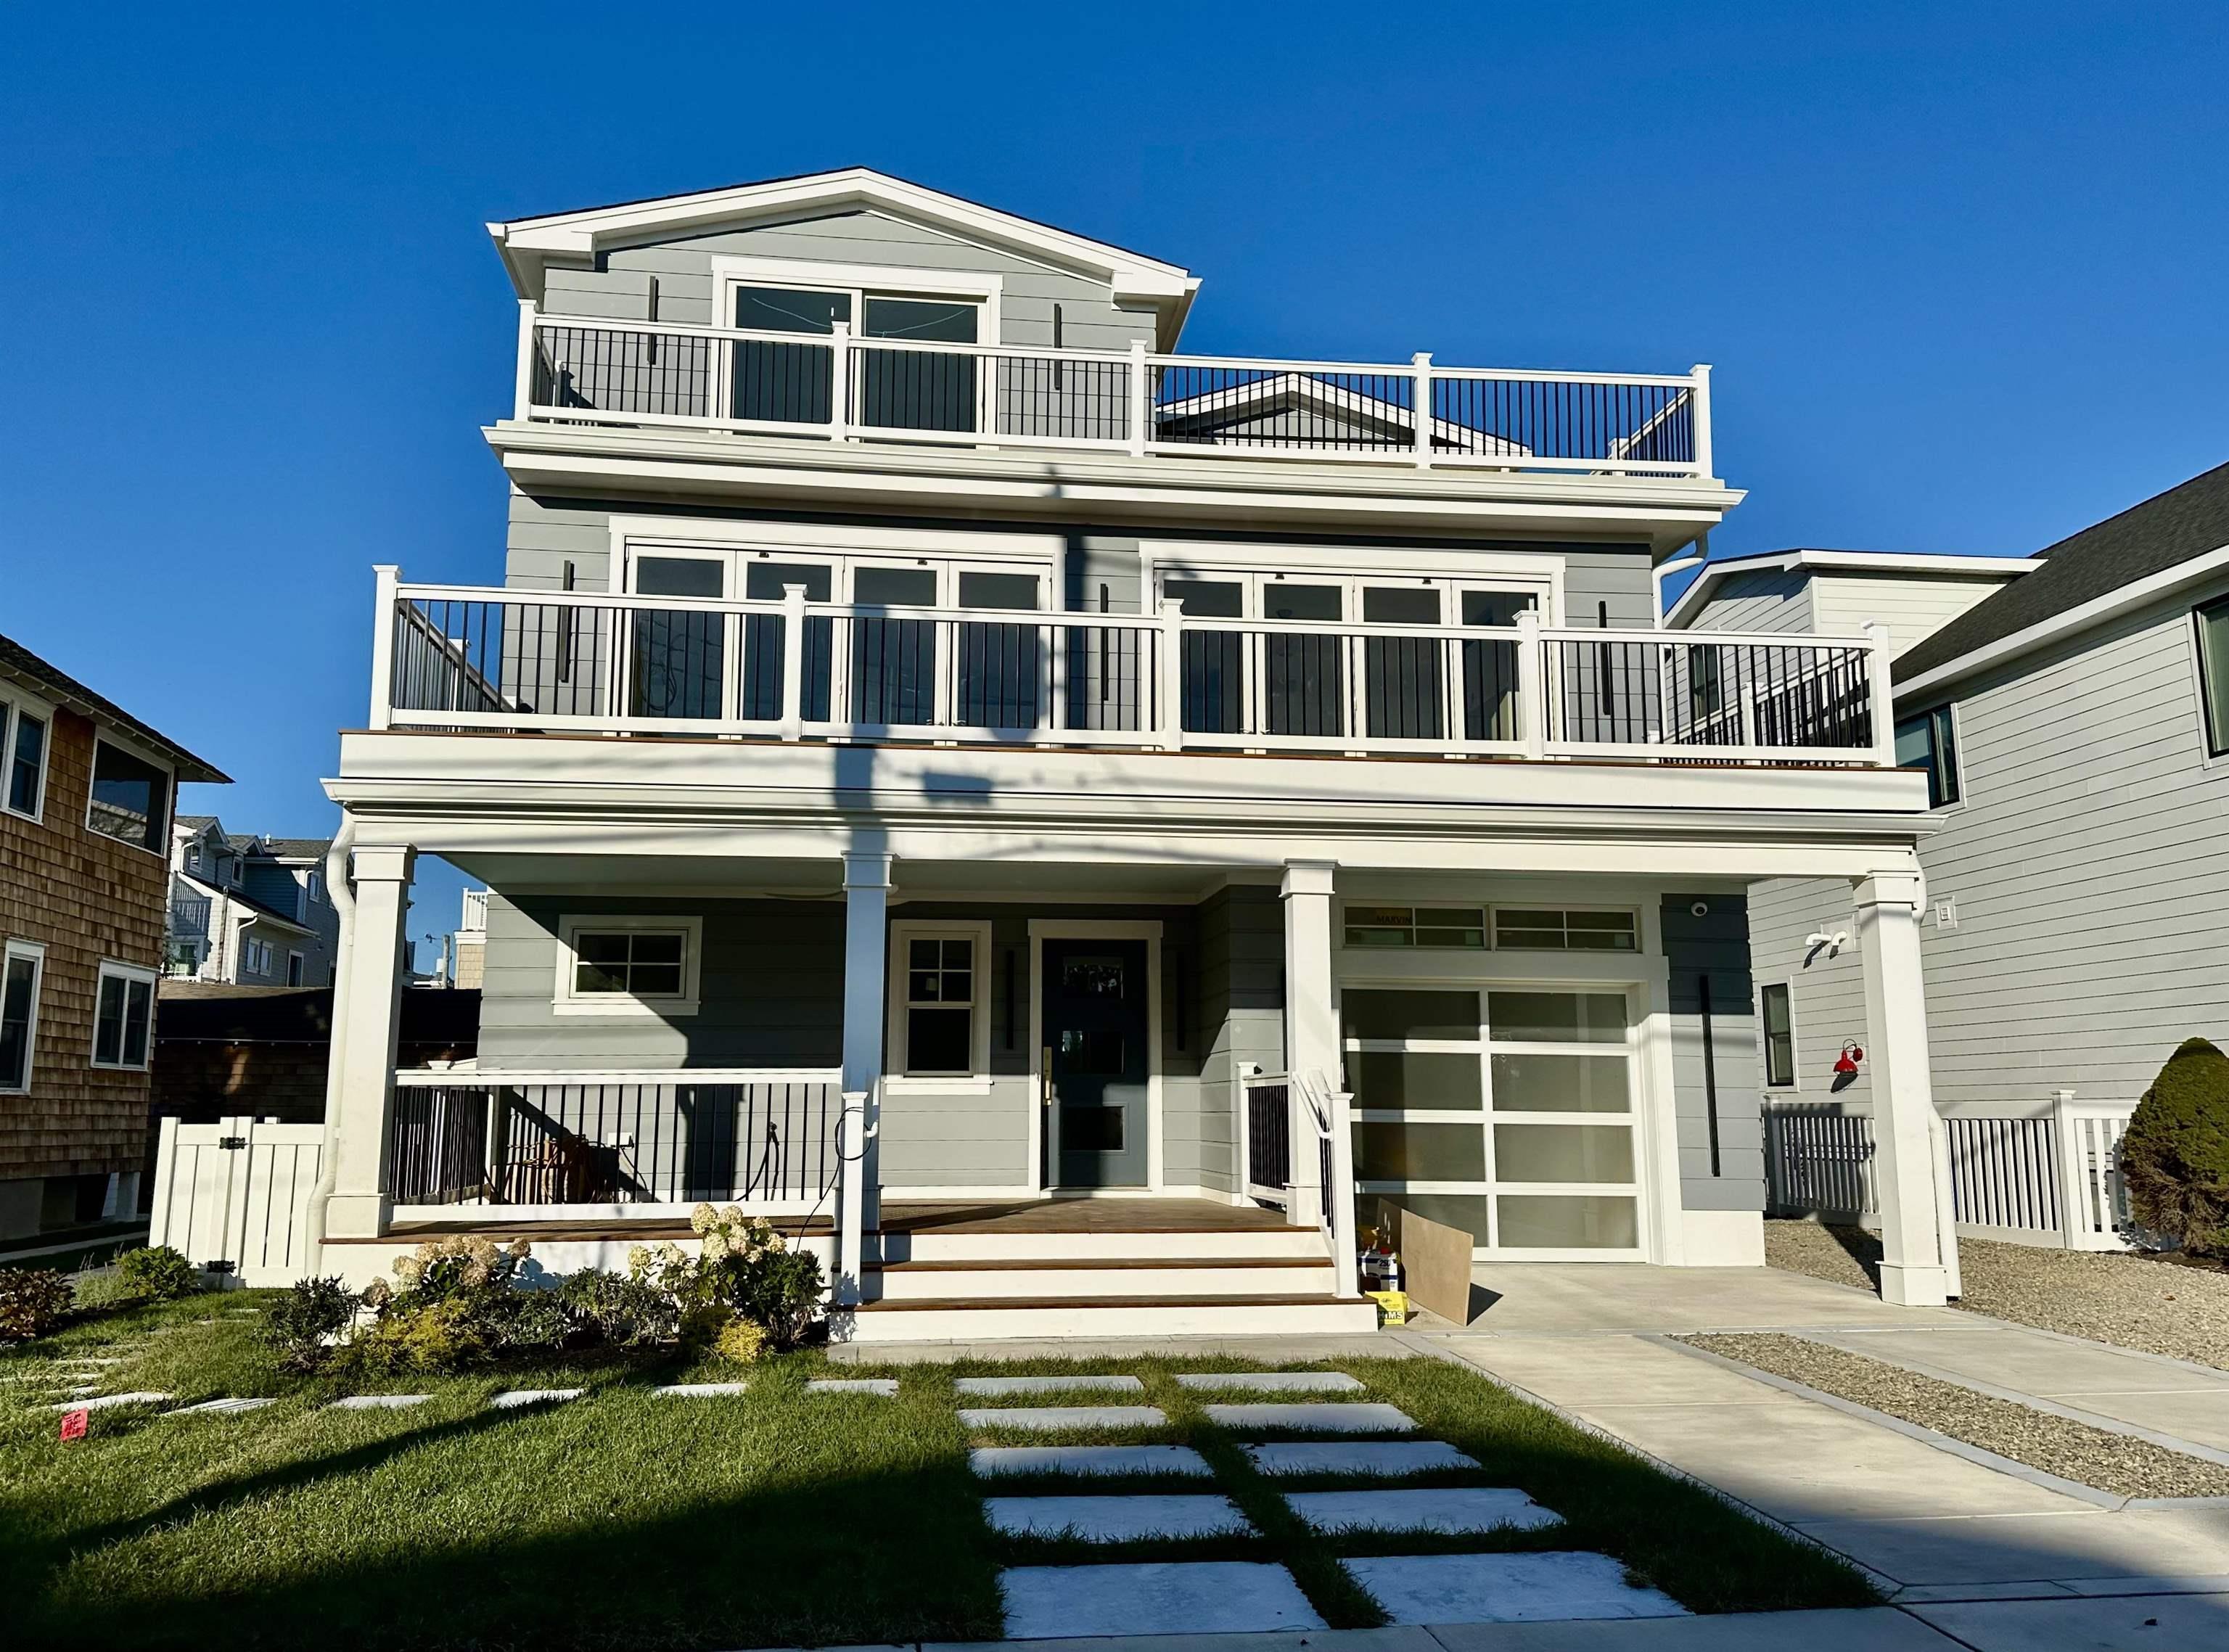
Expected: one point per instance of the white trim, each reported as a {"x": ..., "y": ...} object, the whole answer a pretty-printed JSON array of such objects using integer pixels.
[
  {"x": 162, "y": 848},
  {"x": 2135, "y": 595},
  {"x": 37, "y": 952},
  {"x": 896, "y": 1054},
  {"x": 111, "y": 969},
  {"x": 14, "y": 700},
  {"x": 859, "y": 282},
  {"x": 1848, "y": 562},
  {"x": 1044, "y": 1158},
  {"x": 564, "y": 1000},
  {"x": 633, "y": 536},
  {"x": 1449, "y": 569}
]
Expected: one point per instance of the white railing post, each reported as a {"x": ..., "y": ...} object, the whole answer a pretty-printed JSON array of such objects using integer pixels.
[
  {"x": 523, "y": 391},
  {"x": 2074, "y": 1202},
  {"x": 1882, "y": 692},
  {"x": 1141, "y": 398},
  {"x": 1699, "y": 416},
  {"x": 1171, "y": 709},
  {"x": 851, "y": 1199},
  {"x": 1423, "y": 411},
  {"x": 839, "y": 381},
  {"x": 1341, "y": 1194},
  {"x": 793, "y": 662},
  {"x": 1532, "y": 696},
  {"x": 1747, "y": 690},
  {"x": 386, "y": 578},
  {"x": 1946, "y": 1205}
]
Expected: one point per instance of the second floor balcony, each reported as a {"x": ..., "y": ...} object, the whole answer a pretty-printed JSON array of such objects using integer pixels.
[{"x": 1508, "y": 687}]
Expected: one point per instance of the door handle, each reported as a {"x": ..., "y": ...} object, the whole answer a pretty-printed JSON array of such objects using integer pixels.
[{"x": 1045, "y": 1069}]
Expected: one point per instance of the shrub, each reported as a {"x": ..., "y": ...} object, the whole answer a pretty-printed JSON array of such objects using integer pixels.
[
  {"x": 744, "y": 1267},
  {"x": 622, "y": 1312},
  {"x": 740, "y": 1341},
  {"x": 2174, "y": 1155},
  {"x": 300, "y": 1325},
  {"x": 440, "y": 1336},
  {"x": 157, "y": 1274},
  {"x": 451, "y": 1308},
  {"x": 33, "y": 1301}
]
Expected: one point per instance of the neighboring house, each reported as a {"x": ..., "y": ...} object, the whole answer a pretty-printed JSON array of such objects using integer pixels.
[
  {"x": 1079, "y": 802},
  {"x": 468, "y": 964},
  {"x": 86, "y": 792},
  {"x": 250, "y": 911},
  {"x": 2072, "y": 721}
]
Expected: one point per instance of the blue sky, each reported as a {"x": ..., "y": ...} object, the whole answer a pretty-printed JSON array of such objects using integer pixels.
[{"x": 1958, "y": 267}]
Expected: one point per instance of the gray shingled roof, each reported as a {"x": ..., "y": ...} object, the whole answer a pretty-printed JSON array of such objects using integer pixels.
[
  {"x": 2166, "y": 530},
  {"x": 58, "y": 684}
]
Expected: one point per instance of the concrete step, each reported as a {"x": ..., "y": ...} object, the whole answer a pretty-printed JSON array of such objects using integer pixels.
[
  {"x": 1135, "y": 1244},
  {"x": 972, "y": 1320},
  {"x": 1053, "y": 1280}
]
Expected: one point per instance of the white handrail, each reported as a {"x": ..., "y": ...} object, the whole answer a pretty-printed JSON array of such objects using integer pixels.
[{"x": 477, "y": 1077}]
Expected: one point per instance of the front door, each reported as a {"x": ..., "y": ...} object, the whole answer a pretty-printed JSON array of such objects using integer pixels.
[{"x": 1095, "y": 1063}]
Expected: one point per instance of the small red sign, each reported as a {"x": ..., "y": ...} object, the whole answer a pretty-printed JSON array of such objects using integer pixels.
[{"x": 73, "y": 1424}]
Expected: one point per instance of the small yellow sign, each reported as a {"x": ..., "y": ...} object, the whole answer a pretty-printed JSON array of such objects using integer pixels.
[{"x": 1392, "y": 1306}]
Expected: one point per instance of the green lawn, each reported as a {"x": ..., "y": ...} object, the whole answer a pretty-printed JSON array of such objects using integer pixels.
[{"x": 622, "y": 1520}]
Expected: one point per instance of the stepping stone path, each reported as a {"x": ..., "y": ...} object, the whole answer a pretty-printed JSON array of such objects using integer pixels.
[
  {"x": 1449, "y": 1508},
  {"x": 989, "y": 1462},
  {"x": 1387, "y": 1458},
  {"x": 1275, "y": 1382},
  {"x": 700, "y": 1389},
  {"x": 101, "y": 1403},
  {"x": 221, "y": 1408},
  {"x": 379, "y": 1402},
  {"x": 1327, "y": 1417},
  {"x": 886, "y": 1387},
  {"x": 988, "y": 1386},
  {"x": 514, "y": 1398},
  {"x": 1117, "y": 1519},
  {"x": 1164, "y": 1598},
  {"x": 1046, "y": 1419},
  {"x": 1506, "y": 1588}
]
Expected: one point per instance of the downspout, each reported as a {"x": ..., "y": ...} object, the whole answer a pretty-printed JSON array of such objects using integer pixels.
[{"x": 329, "y": 1164}]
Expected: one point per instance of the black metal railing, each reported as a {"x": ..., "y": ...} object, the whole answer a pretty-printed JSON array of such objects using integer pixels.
[
  {"x": 1269, "y": 1136},
  {"x": 1616, "y": 423},
  {"x": 1218, "y": 405},
  {"x": 1784, "y": 695}
]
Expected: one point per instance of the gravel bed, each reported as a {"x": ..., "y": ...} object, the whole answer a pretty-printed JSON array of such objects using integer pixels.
[
  {"x": 2128, "y": 1301},
  {"x": 2113, "y": 1462}
]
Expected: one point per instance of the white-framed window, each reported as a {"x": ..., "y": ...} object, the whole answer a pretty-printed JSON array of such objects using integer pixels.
[
  {"x": 1507, "y": 1111},
  {"x": 1332, "y": 597},
  {"x": 1560, "y": 928},
  {"x": 940, "y": 1028},
  {"x": 1435, "y": 926},
  {"x": 193, "y": 856},
  {"x": 1929, "y": 742},
  {"x": 25, "y": 726},
  {"x": 293, "y": 969},
  {"x": 23, "y": 964},
  {"x": 628, "y": 966},
  {"x": 1776, "y": 1028},
  {"x": 254, "y": 956},
  {"x": 123, "y": 1017},
  {"x": 314, "y": 883},
  {"x": 130, "y": 799}
]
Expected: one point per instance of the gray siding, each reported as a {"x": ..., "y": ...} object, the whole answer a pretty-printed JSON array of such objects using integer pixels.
[
  {"x": 1827, "y": 987},
  {"x": 1714, "y": 949},
  {"x": 1913, "y": 606},
  {"x": 1618, "y": 576},
  {"x": 1241, "y": 997},
  {"x": 1766, "y": 599}
]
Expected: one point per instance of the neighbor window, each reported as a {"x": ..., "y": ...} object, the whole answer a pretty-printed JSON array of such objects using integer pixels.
[
  {"x": 1779, "y": 1037},
  {"x": 2213, "y": 622},
  {"x": 1416, "y": 926},
  {"x": 293, "y": 969},
  {"x": 1928, "y": 741},
  {"x": 1556, "y": 930},
  {"x": 193, "y": 856},
  {"x": 255, "y": 958},
  {"x": 939, "y": 1005},
  {"x": 130, "y": 799},
  {"x": 622, "y": 966},
  {"x": 22, "y": 758},
  {"x": 123, "y": 1017},
  {"x": 19, "y": 967}
]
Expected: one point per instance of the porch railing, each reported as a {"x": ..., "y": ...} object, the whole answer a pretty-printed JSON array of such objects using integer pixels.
[
  {"x": 837, "y": 387},
  {"x": 466, "y": 657},
  {"x": 1266, "y": 1172}
]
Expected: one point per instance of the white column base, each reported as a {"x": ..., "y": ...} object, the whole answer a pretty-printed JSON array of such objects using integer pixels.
[
  {"x": 1721, "y": 1239},
  {"x": 1915, "y": 1284},
  {"x": 358, "y": 1216}
]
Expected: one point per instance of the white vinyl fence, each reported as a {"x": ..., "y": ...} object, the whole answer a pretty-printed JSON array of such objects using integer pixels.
[
  {"x": 2052, "y": 1179},
  {"x": 233, "y": 1197}
]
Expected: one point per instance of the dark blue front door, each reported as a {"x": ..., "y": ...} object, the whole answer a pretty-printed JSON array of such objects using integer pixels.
[{"x": 1097, "y": 1023}]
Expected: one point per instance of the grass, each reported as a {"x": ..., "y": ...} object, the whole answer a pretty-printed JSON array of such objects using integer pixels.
[{"x": 623, "y": 1520}]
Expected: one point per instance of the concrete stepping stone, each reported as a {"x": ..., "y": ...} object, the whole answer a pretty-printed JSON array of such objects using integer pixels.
[
  {"x": 1506, "y": 1588},
  {"x": 512, "y": 1400},
  {"x": 1447, "y": 1508},
  {"x": 102, "y": 1402},
  {"x": 221, "y": 1408},
  {"x": 1161, "y": 1597},
  {"x": 1276, "y": 1382},
  {"x": 1325, "y": 1416},
  {"x": 1117, "y": 1519},
  {"x": 379, "y": 1402},
  {"x": 1048, "y": 1385},
  {"x": 989, "y": 1462},
  {"x": 1044, "y": 1420},
  {"x": 1388, "y": 1458},
  {"x": 886, "y": 1387},
  {"x": 700, "y": 1389}
]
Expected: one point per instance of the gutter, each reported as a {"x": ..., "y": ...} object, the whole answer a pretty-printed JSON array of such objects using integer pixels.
[{"x": 328, "y": 1161}]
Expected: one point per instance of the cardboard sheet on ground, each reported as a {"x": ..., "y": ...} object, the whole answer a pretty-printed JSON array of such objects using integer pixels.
[{"x": 1436, "y": 1258}]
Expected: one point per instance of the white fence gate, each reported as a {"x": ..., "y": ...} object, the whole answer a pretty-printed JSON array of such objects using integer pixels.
[{"x": 233, "y": 1197}]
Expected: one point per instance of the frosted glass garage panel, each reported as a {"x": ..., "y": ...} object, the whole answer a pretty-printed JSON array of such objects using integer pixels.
[
  {"x": 1379, "y": 1014},
  {"x": 1563, "y": 1152},
  {"x": 1567, "y": 1222},
  {"x": 1562, "y": 1084},
  {"x": 1557, "y": 1018},
  {"x": 1467, "y": 1212},
  {"x": 1401, "y": 1078},
  {"x": 1419, "y": 1152}
]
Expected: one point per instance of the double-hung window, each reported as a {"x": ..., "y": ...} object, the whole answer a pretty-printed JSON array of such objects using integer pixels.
[
  {"x": 1779, "y": 1036},
  {"x": 22, "y": 963},
  {"x": 1930, "y": 742},
  {"x": 130, "y": 799},
  {"x": 123, "y": 1017},
  {"x": 943, "y": 981},
  {"x": 22, "y": 757},
  {"x": 629, "y": 965},
  {"x": 2211, "y": 620}
]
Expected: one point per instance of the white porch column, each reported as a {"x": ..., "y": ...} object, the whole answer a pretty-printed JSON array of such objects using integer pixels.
[
  {"x": 1914, "y": 1242},
  {"x": 370, "y": 974},
  {"x": 1310, "y": 1028},
  {"x": 866, "y": 939}
]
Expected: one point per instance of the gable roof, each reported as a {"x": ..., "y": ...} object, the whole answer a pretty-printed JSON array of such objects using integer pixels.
[
  {"x": 59, "y": 686},
  {"x": 1808, "y": 559},
  {"x": 2140, "y": 545},
  {"x": 1276, "y": 393},
  {"x": 527, "y": 243}
]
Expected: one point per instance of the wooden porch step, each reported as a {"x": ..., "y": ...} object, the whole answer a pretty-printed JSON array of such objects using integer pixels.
[
  {"x": 1096, "y": 1279},
  {"x": 932, "y": 1304},
  {"x": 1114, "y": 1264},
  {"x": 1009, "y": 1319}
]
